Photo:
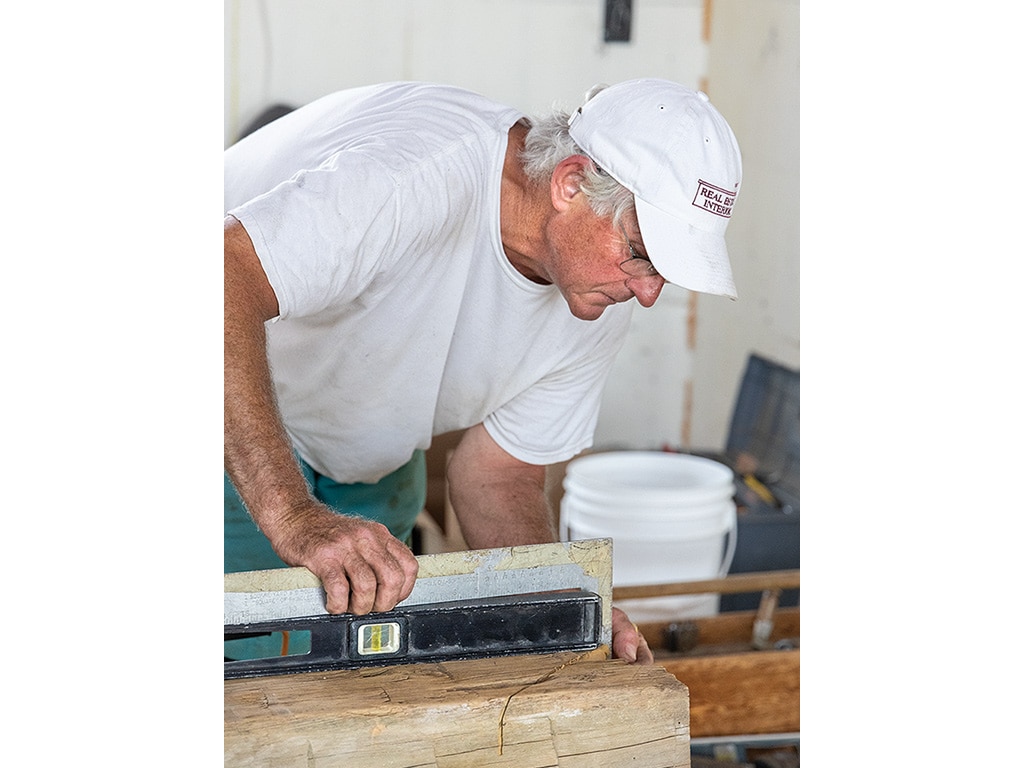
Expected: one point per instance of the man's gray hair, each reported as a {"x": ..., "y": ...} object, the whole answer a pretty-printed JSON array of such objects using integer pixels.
[{"x": 548, "y": 143}]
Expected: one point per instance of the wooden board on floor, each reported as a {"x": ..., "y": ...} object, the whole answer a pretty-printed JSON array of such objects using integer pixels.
[
  {"x": 741, "y": 693},
  {"x": 575, "y": 710},
  {"x": 735, "y": 690}
]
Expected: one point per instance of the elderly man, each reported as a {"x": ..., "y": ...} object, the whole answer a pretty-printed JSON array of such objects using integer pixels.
[{"x": 405, "y": 260}]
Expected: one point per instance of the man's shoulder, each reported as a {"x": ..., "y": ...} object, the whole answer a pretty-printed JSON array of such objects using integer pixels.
[{"x": 406, "y": 96}]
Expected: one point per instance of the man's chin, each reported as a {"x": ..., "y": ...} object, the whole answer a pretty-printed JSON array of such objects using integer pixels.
[
  {"x": 588, "y": 306},
  {"x": 587, "y": 311}
]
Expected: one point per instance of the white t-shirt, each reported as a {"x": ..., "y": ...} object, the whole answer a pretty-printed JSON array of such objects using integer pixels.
[{"x": 375, "y": 214}]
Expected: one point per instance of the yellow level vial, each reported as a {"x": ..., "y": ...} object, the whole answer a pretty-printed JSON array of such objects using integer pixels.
[{"x": 379, "y": 638}]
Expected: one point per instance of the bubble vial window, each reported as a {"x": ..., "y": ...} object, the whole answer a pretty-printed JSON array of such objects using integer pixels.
[{"x": 381, "y": 638}]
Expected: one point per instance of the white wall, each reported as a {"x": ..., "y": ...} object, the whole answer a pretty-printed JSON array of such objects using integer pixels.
[
  {"x": 675, "y": 380},
  {"x": 754, "y": 79},
  {"x": 528, "y": 53}
]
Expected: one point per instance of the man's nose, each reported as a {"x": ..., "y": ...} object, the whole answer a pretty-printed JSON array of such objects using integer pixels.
[{"x": 646, "y": 289}]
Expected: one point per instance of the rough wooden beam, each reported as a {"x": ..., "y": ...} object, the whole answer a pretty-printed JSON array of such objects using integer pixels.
[{"x": 528, "y": 711}]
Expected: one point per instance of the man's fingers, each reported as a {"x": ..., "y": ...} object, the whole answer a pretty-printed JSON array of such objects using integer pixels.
[
  {"x": 336, "y": 587},
  {"x": 627, "y": 642},
  {"x": 644, "y": 654},
  {"x": 363, "y": 586},
  {"x": 409, "y": 566},
  {"x": 376, "y": 581},
  {"x": 396, "y": 577}
]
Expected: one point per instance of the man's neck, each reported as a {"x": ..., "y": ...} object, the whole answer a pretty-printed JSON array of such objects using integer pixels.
[{"x": 523, "y": 210}]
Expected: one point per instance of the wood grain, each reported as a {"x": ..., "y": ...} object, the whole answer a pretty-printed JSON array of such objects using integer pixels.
[
  {"x": 580, "y": 711},
  {"x": 734, "y": 689},
  {"x": 741, "y": 693}
]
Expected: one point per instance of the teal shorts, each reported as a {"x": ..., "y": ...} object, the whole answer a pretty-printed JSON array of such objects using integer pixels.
[{"x": 395, "y": 500}]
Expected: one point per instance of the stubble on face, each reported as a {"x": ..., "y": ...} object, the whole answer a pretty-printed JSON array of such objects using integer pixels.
[{"x": 587, "y": 251}]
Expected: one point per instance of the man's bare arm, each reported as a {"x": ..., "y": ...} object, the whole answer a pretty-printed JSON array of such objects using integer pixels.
[
  {"x": 500, "y": 502},
  {"x": 498, "y": 499},
  {"x": 361, "y": 565}
]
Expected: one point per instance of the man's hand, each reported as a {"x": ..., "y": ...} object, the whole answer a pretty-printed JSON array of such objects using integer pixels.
[
  {"x": 627, "y": 642},
  {"x": 361, "y": 565}
]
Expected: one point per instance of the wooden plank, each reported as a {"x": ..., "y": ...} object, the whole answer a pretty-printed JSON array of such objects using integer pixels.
[
  {"x": 741, "y": 693},
  {"x": 735, "y": 690},
  {"x": 736, "y": 583},
  {"x": 726, "y": 629},
  {"x": 571, "y": 710}
]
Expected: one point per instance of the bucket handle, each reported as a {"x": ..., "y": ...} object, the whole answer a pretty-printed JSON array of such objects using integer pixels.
[{"x": 730, "y": 546}]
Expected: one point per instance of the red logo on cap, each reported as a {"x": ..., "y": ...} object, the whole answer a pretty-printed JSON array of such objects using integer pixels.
[{"x": 714, "y": 199}]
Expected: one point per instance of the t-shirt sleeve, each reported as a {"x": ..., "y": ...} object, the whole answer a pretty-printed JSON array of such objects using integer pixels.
[
  {"x": 308, "y": 232},
  {"x": 554, "y": 419}
]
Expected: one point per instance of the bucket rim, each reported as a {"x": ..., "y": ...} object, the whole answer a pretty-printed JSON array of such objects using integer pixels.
[
  {"x": 649, "y": 528},
  {"x": 636, "y": 496},
  {"x": 624, "y": 470}
]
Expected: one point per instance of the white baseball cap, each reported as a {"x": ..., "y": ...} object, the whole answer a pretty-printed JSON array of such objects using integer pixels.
[{"x": 679, "y": 158}]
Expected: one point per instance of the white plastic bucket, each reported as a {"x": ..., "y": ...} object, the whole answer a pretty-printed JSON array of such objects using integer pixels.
[{"x": 671, "y": 518}]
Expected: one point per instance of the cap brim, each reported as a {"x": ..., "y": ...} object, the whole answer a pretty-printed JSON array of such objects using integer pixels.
[{"x": 684, "y": 255}]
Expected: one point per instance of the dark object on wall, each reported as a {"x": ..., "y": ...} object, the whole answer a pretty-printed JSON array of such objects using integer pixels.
[
  {"x": 618, "y": 20},
  {"x": 268, "y": 115}
]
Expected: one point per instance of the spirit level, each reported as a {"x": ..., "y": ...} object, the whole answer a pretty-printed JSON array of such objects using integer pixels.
[{"x": 464, "y": 629}]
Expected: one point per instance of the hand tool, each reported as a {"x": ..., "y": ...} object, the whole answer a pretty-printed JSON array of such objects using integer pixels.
[{"x": 531, "y": 599}]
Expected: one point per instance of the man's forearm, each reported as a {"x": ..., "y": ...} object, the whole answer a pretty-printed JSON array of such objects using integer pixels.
[
  {"x": 499, "y": 501},
  {"x": 503, "y": 515},
  {"x": 257, "y": 452}
]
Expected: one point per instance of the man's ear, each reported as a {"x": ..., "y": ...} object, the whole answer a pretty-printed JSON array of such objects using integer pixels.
[{"x": 566, "y": 180}]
